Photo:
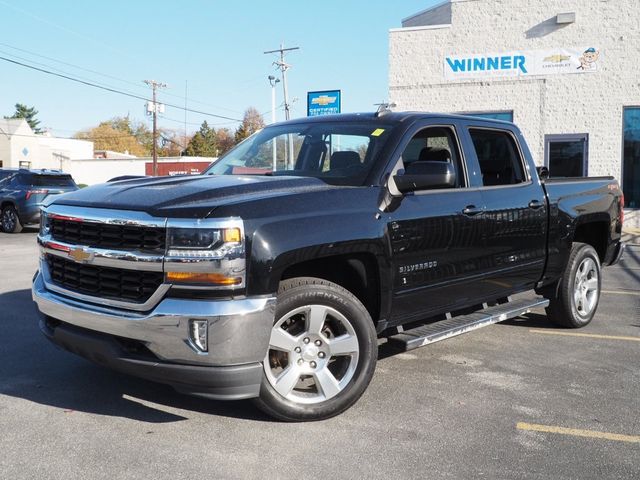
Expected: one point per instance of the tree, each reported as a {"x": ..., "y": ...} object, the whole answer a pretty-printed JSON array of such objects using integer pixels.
[
  {"x": 29, "y": 114},
  {"x": 204, "y": 142},
  {"x": 251, "y": 123},
  {"x": 172, "y": 143},
  {"x": 225, "y": 140},
  {"x": 120, "y": 135}
]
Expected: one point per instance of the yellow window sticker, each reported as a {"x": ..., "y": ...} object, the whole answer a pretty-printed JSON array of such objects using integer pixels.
[{"x": 377, "y": 132}]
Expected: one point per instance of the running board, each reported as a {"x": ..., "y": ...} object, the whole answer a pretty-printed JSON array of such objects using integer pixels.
[{"x": 434, "y": 332}]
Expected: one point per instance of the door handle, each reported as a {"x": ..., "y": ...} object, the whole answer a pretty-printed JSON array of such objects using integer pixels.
[
  {"x": 535, "y": 204},
  {"x": 471, "y": 210}
]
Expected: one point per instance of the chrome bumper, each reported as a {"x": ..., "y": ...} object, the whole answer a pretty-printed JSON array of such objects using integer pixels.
[{"x": 238, "y": 330}]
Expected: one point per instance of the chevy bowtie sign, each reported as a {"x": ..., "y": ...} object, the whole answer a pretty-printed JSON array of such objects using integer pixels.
[
  {"x": 522, "y": 63},
  {"x": 326, "y": 102}
]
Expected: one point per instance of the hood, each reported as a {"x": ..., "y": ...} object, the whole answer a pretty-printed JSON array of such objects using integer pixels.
[{"x": 189, "y": 196}]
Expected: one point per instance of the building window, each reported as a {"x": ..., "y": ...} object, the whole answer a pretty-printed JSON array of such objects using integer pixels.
[
  {"x": 631, "y": 157},
  {"x": 566, "y": 155},
  {"x": 506, "y": 115}
]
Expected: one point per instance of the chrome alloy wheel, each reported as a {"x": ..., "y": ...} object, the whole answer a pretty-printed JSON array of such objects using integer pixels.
[
  {"x": 313, "y": 354},
  {"x": 585, "y": 291}
]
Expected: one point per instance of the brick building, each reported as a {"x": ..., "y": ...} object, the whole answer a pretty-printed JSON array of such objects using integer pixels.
[{"x": 566, "y": 71}]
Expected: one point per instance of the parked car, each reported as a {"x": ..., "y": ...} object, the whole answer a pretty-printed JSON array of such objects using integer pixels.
[
  {"x": 23, "y": 192},
  {"x": 273, "y": 275}
]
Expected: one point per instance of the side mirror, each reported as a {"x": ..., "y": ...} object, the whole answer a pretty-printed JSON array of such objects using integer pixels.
[
  {"x": 425, "y": 176},
  {"x": 543, "y": 172}
]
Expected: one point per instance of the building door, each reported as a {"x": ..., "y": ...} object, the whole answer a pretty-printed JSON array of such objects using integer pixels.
[{"x": 566, "y": 155}]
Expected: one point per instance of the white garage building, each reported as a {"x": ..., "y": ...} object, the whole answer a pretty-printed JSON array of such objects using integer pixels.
[{"x": 566, "y": 71}]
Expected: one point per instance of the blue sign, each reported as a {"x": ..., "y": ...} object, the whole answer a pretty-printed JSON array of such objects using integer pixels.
[{"x": 327, "y": 102}]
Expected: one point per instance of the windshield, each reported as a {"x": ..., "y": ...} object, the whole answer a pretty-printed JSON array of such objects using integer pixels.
[{"x": 340, "y": 153}]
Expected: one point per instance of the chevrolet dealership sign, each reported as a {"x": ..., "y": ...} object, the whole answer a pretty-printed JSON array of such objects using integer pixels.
[
  {"x": 326, "y": 102},
  {"x": 522, "y": 63}
]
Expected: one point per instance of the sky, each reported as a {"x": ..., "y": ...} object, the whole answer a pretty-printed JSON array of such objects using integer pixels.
[{"x": 213, "y": 48}]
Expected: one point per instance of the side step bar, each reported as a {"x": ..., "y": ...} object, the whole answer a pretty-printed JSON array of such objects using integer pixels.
[{"x": 434, "y": 332}]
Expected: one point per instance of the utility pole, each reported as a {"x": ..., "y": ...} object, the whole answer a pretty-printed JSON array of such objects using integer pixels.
[
  {"x": 154, "y": 150},
  {"x": 284, "y": 66}
]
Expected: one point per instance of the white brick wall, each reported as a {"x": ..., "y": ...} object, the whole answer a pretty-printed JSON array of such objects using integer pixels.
[{"x": 542, "y": 105}]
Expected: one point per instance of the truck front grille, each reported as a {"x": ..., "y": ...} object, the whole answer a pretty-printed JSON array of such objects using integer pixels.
[
  {"x": 100, "y": 235},
  {"x": 103, "y": 282}
]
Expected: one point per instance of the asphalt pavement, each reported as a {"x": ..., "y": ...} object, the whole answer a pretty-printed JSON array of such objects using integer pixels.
[{"x": 522, "y": 399}]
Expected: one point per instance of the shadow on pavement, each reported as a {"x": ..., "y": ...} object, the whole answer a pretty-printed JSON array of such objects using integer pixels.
[
  {"x": 33, "y": 369},
  {"x": 532, "y": 320}
]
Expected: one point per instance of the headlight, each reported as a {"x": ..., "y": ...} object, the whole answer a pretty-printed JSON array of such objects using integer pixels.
[
  {"x": 206, "y": 253},
  {"x": 44, "y": 223}
]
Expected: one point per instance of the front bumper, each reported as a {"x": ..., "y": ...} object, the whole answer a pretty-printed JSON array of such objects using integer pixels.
[{"x": 156, "y": 345}]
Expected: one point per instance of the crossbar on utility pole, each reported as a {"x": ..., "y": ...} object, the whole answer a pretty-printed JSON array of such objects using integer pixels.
[{"x": 154, "y": 149}]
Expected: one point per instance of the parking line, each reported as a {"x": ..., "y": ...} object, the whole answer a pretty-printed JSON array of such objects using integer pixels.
[
  {"x": 621, "y": 292},
  {"x": 576, "y": 432},
  {"x": 587, "y": 335}
]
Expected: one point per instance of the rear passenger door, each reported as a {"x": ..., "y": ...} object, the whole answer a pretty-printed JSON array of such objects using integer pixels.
[{"x": 514, "y": 224}]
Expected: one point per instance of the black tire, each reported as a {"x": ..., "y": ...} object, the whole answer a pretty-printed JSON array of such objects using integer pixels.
[
  {"x": 10, "y": 221},
  {"x": 298, "y": 294},
  {"x": 564, "y": 309}
]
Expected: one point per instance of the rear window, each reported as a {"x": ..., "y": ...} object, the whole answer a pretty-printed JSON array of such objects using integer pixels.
[{"x": 47, "y": 180}]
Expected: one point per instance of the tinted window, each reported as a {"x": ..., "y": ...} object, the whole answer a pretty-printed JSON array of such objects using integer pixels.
[
  {"x": 434, "y": 144},
  {"x": 500, "y": 162},
  {"x": 631, "y": 164},
  {"x": 504, "y": 116},
  {"x": 47, "y": 180}
]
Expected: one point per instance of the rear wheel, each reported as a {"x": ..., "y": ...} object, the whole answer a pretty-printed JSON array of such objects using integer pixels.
[
  {"x": 578, "y": 292},
  {"x": 10, "y": 221},
  {"x": 322, "y": 352}
]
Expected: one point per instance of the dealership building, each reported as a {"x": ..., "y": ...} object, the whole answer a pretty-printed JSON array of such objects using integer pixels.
[{"x": 566, "y": 71}]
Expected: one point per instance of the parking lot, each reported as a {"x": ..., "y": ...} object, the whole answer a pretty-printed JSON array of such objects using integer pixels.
[{"x": 522, "y": 399}]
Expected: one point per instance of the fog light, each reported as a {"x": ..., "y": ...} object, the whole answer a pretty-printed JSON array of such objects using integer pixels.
[{"x": 198, "y": 334}]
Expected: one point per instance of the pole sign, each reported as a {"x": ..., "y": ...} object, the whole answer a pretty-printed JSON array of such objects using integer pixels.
[
  {"x": 326, "y": 102},
  {"x": 522, "y": 63}
]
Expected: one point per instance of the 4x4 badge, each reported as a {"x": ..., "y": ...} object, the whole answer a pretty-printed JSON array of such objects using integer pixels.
[{"x": 80, "y": 255}]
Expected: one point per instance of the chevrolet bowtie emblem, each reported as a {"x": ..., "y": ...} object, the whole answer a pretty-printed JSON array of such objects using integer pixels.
[
  {"x": 80, "y": 255},
  {"x": 323, "y": 100}
]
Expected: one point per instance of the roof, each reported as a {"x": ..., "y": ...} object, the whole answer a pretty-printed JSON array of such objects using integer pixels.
[
  {"x": 9, "y": 126},
  {"x": 388, "y": 117}
]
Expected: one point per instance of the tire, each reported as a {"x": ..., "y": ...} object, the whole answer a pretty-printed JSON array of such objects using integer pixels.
[
  {"x": 578, "y": 292},
  {"x": 322, "y": 352},
  {"x": 10, "y": 221}
]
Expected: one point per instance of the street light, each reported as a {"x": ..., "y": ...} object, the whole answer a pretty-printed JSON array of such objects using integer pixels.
[{"x": 273, "y": 81}]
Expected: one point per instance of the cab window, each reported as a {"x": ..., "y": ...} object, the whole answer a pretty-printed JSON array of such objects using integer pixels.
[{"x": 498, "y": 156}]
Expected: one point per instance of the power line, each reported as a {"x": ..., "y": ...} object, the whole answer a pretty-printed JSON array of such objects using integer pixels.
[
  {"x": 128, "y": 82},
  {"x": 114, "y": 90}
]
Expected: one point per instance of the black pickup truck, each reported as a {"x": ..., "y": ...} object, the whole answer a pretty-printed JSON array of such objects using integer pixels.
[{"x": 275, "y": 273}]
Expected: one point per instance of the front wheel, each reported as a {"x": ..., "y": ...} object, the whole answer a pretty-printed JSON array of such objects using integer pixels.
[
  {"x": 322, "y": 352},
  {"x": 578, "y": 294}
]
